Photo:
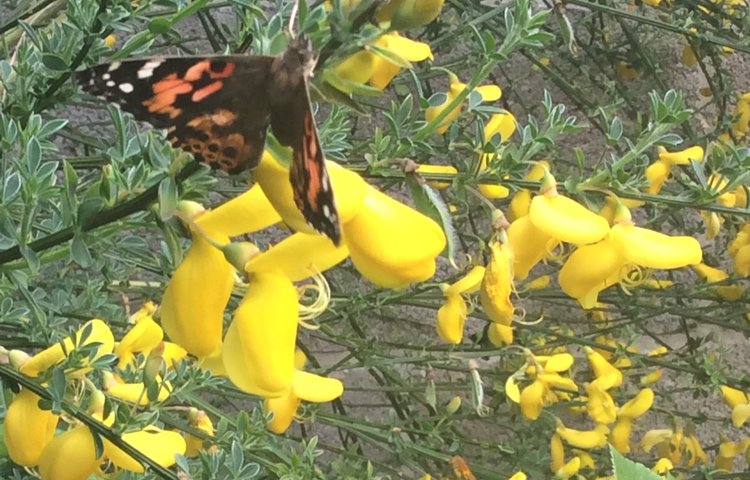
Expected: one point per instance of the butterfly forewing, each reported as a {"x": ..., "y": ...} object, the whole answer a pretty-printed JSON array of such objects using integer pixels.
[
  {"x": 211, "y": 107},
  {"x": 218, "y": 108}
]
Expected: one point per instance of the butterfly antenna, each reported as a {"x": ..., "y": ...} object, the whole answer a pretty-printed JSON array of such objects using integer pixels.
[{"x": 293, "y": 18}]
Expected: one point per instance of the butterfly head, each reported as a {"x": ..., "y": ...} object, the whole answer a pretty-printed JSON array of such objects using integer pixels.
[{"x": 299, "y": 56}]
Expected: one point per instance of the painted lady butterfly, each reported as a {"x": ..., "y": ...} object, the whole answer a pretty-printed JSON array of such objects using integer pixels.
[{"x": 219, "y": 107}]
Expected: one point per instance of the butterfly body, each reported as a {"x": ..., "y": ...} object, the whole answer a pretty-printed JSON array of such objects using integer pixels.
[{"x": 219, "y": 109}]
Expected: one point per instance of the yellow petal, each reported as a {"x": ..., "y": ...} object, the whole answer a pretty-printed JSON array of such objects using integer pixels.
[
  {"x": 27, "y": 428},
  {"x": 600, "y": 405},
  {"x": 587, "y": 439},
  {"x": 133, "y": 392},
  {"x": 391, "y": 244},
  {"x": 469, "y": 283},
  {"x": 201, "y": 421},
  {"x": 531, "y": 400},
  {"x": 499, "y": 334},
  {"x": 192, "y": 310},
  {"x": 283, "y": 410},
  {"x": 648, "y": 248},
  {"x": 740, "y": 414},
  {"x": 519, "y": 205},
  {"x": 173, "y": 353},
  {"x": 663, "y": 465},
  {"x": 503, "y": 124},
  {"x": 441, "y": 169},
  {"x": 529, "y": 246},
  {"x": 497, "y": 285},
  {"x": 357, "y": 68},
  {"x": 653, "y": 437},
  {"x": 518, "y": 476},
  {"x": 69, "y": 456},
  {"x": 259, "y": 346},
  {"x": 637, "y": 405},
  {"x": 607, "y": 375},
  {"x": 450, "y": 319},
  {"x": 733, "y": 397},
  {"x": 741, "y": 263},
  {"x": 566, "y": 220},
  {"x": 512, "y": 391},
  {"x": 299, "y": 256},
  {"x": 657, "y": 174},
  {"x": 246, "y": 213},
  {"x": 489, "y": 93},
  {"x": 142, "y": 337},
  {"x": 315, "y": 388},
  {"x": 591, "y": 269},
  {"x": 682, "y": 157},
  {"x": 620, "y": 435},
  {"x": 557, "y": 452},
  {"x": 558, "y": 362},
  {"x": 569, "y": 470},
  {"x": 273, "y": 178},
  {"x": 159, "y": 445},
  {"x": 93, "y": 331},
  {"x": 409, "y": 14},
  {"x": 406, "y": 48}
]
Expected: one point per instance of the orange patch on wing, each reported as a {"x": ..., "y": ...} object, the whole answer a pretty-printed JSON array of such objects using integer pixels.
[
  {"x": 214, "y": 87},
  {"x": 223, "y": 117},
  {"x": 228, "y": 70},
  {"x": 196, "y": 71}
]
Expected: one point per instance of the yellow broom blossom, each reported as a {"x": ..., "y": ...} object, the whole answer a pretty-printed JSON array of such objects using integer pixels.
[
  {"x": 489, "y": 93},
  {"x": 27, "y": 428},
  {"x": 497, "y": 285}
]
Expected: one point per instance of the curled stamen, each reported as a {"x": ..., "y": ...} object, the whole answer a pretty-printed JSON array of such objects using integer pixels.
[{"x": 319, "y": 303}]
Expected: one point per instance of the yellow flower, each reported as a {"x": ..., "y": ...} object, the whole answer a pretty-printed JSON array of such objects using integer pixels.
[
  {"x": 142, "y": 337},
  {"x": 110, "y": 40},
  {"x": 663, "y": 465},
  {"x": 529, "y": 246},
  {"x": 201, "y": 421},
  {"x": 518, "y": 476},
  {"x": 741, "y": 121},
  {"x": 532, "y": 399},
  {"x": 564, "y": 219},
  {"x": 499, "y": 334},
  {"x": 28, "y": 428},
  {"x": 634, "y": 408},
  {"x": 133, "y": 392},
  {"x": 442, "y": 169},
  {"x": 408, "y": 14},
  {"x": 246, "y": 213},
  {"x": 70, "y": 456},
  {"x": 591, "y": 269},
  {"x": 607, "y": 376},
  {"x": 299, "y": 256},
  {"x": 715, "y": 275},
  {"x": 569, "y": 470},
  {"x": 586, "y": 439},
  {"x": 451, "y": 317},
  {"x": 391, "y": 244},
  {"x": 159, "y": 445},
  {"x": 305, "y": 386},
  {"x": 557, "y": 453},
  {"x": 489, "y": 93},
  {"x": 497, "y": 285},
  {"x": 192, "y": 310},
  {"x": 600, "y": 405},
  {"x": 521, "y": 201},
  {"x": 502, "y": 124},
  {"x": 370, "y": 66},
  {"x": 651, "y": 249},
  {"x": 681, "y": 157},
  {"x": 258, "y": 351},
  {"x": 93, "y": 331},
  {"x": 657, "y": 174}
]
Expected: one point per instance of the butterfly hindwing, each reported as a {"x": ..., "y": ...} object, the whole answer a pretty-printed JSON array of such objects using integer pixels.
[{"x": 215, "y": 107}]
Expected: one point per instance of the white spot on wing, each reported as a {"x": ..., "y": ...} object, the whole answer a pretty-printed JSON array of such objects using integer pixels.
[
  {"x": 106, "y": 76},
  {"x": 126, "y": 87},
  {"x": 114, "y": 66},
  {"x": 326, "y": 211},
  {"x": 111, "y": 83},
  {"x": 148, "y": 68}
]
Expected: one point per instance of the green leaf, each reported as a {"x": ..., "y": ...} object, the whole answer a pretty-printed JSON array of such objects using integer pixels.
[
  {"x": 348, "y": 86},
  {"x": 431, "y": 204},
  {"x": 55, "y": 62},
  {"x": 159, "y": 25},
  {"x": 79, "y": 251},
  {"x": 625, "y": 469},
  {"x": 167, "y": 198}
]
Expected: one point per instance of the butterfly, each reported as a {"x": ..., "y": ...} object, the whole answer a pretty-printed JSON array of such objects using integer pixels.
[{"x": 219, "y": 109}]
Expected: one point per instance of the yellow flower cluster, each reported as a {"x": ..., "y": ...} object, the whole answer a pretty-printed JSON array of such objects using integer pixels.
[
  {"x": 390, "y": 244},
  {"x": 35, "y": 437}
]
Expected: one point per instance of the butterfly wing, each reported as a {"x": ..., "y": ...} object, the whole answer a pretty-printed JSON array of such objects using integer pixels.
[
  {"x": 214, "y": 107},
  {"x": 293, "y": 125}
]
